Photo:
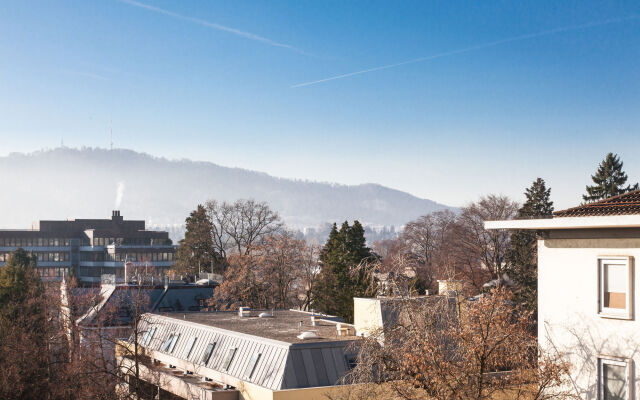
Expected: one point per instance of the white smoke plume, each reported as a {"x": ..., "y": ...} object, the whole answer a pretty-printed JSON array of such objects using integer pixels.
[{"x": 119, "y": 194}]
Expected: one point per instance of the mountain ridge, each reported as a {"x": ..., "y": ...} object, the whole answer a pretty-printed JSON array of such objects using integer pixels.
[{"x": 69, "y": 182}]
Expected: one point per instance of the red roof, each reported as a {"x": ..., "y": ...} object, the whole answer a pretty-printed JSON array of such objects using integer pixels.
[{"x": 623, "y": 204}]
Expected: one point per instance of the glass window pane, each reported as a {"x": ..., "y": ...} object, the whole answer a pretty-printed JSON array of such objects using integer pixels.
[
  {"x": 166, "y": 344},
  {"x": 227, "y": 361},
  {"x": 615, "y": 281},
  {"x": 187, "y": 350},
  {"x": 614, "y": 382},
  {"x": 252, "y": 365},
  {"x": 173, "y": 343},
  {"x": 207, "y": 353}
]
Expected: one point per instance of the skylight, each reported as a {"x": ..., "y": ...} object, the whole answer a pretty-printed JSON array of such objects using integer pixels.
[
  {"x": 207, "y": 353},
  {"x": 174, "y": 340},
  {"x": 187, "y": 350},
  {"x": 252, "y": 365},
  {"x": 227, "y": 361}
]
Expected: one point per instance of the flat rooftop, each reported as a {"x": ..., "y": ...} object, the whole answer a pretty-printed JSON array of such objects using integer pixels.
[{"x": 284, "y": 326}]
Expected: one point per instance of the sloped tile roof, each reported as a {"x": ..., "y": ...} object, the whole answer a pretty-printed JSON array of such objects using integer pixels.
[{"x": 623, "y": 204}]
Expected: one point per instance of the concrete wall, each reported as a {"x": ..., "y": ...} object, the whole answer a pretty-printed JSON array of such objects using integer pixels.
[
  {"x": 367, "y": 316},
  {"x": 568, "y": 319}
]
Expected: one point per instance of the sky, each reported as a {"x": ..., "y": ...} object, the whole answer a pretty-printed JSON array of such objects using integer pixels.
[{"x": 447, "y": 100}]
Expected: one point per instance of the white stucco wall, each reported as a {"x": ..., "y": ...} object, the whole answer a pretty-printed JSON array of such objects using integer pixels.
[{"x": 568, "y": 317}]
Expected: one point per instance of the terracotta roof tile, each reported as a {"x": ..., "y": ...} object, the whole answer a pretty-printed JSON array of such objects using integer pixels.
[{"x": 623, "y": 204}]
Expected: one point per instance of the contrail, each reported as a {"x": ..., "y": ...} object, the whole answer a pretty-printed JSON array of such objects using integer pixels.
[
  {"x": 213, "y": 25},
  {"x": 473, "y": 48}
]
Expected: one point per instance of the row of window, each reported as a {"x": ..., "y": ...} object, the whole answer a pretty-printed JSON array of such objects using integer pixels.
[
  {"x": 170, "y": 343},
  {"x": 97, "y": 272},
  {"x": 34, "y": 242},
  {"x": 615, "y": 300},
  {"x": 106, "y": 241},
  {"x": 42, "y": 256},
  {"x": 164, "y": 256},
  {"x": 52, "y": 272},
  {"x": 128, "y": 256}
]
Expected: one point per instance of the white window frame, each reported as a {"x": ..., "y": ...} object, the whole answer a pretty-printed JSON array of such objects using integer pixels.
[
  {"x": 618, "y": 361},
  {"x": 607, "y": 312}
]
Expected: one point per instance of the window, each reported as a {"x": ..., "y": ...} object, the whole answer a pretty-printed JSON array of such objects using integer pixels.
[
  {"x": 613, "y": 378},
  {"x": 167, "y": 343},
  {"x": 207, "y": 353},
  {"x": 252, "y": 365},
  {"x": 149, "y": 335},
  {"x": 227, "y": 361},
  {"x": 173, "y": 343},
  {"x": 351, "y": 361},
  {"x": 615, "y": 291},
  {"x": 187, "y": 350}
]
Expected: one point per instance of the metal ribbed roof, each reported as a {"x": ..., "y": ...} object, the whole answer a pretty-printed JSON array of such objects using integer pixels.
[{"x": 281, "y": 364}]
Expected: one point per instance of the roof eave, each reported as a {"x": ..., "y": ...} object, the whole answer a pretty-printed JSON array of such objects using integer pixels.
[{"x": 610, "y": 221}]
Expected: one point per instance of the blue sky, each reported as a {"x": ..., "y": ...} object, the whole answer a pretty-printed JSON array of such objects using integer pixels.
[{"x": 516, "y": 90}]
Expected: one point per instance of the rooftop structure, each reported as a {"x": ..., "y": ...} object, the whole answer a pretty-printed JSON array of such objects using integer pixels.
[
  {"x": 90, "y": 248},
  {"x": 260, "y": 354}
]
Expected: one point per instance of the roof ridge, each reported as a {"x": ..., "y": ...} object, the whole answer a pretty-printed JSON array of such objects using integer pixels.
[{"x": 621, "y": 204}]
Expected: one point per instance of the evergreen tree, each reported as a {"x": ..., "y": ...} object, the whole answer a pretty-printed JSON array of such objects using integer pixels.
[
  {"x": 344, "y": 271},
  {"x": 18, "y": 282},
  {"x": 609, "y": 180},
  {"x": 24, "y": 330},
  {"x": 196, "y": 252},
  {"x": 523, "y": 255}
]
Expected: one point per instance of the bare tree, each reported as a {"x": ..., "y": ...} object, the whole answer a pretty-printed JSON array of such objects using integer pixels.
[
  {"x": 241, "y": 225},
  {"x": 446, "y": 351},
  {"x": 280, "y": 272},
  {"x": 281, "y": 257},
  {"x": 480, "y": 248},
  {"x": 426, "y": 240},
  {"x": 307, "y": 275}
]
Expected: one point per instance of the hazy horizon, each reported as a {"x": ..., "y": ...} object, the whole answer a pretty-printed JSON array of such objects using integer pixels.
[{"x": 446, "y": 101}]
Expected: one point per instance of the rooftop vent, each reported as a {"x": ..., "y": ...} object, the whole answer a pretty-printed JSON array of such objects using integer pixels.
[{"x": 306, "y": 335}]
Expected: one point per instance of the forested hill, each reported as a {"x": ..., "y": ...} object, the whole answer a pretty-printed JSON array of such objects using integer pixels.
[{"x": 89, "y": 183}]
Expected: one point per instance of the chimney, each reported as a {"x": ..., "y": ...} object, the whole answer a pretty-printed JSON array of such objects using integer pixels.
[{"x": 115, "y": 216}]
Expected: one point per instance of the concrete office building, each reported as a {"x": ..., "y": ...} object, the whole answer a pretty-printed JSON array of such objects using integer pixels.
[{"x": 90, "y": 248}]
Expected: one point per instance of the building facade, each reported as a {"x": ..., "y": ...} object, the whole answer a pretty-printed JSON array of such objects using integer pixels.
[
  {"x": 587, "y": 306},
  {"x": 90, "y": 248}
]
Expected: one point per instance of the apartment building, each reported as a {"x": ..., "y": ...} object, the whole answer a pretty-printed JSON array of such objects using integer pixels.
[
  {"x": 587, "y": 301},
  {"x": 90, "y": 248}
]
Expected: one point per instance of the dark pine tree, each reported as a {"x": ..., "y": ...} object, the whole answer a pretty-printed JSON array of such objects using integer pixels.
[
  {"x": 342, "y": 275},
  {"x": 609, "y": 180},
  {"x": 24, "y": 330},
  {"x": 523, "y": 255},
  {"x": 196, "y": 252}
]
